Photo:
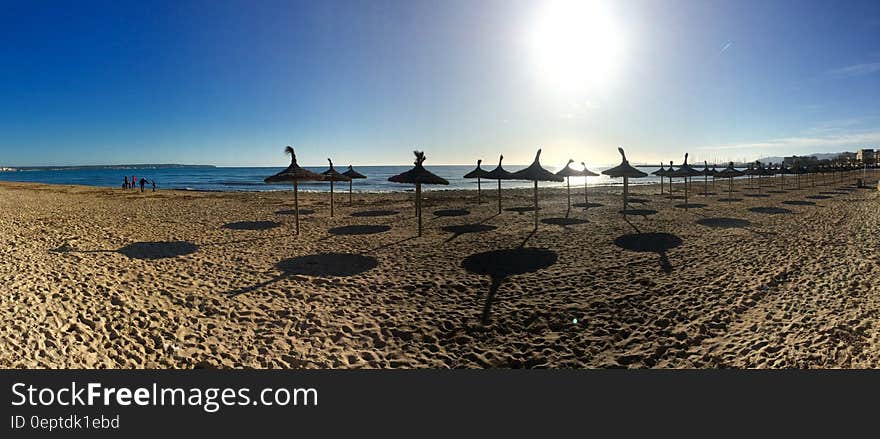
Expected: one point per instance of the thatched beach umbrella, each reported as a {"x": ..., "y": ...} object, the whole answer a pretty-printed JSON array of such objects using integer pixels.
[
  {"x": 729, "y": 172},
  {"x": 536, "y": 173},
  {"x": 352, "y": 174},
  {"x": 587, "y": 173},
  {"x": 626, "y": 171},
  {"x": 567, "y": 172},
  {"x": 706, "y": 172},
  {"x": 332, "y": 175},
  {"x": 662, "y": 173},
  {"x": 499, "y": 174},
  {"x": 750, "y": 171},
  {"x": 418, "y": 176},
  {"x": 295, "y": 174},
  {"x": 477, "y": 173},
  {"x": 685, "y": 171}
]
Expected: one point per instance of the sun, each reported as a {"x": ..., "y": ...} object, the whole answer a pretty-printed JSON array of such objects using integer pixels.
[{"x": 576, "y": 45}]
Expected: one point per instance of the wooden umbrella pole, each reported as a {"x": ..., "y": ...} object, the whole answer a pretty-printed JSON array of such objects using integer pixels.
[
  {"x": 536, "y": 204},
  {"x": 419, "y": 205},
  {"x": 586, "y": 197},
  {"x": 625, "y": 193},
  {"x": 349, "y": 191},
  {"x": 568, "y": 190},
  {"x": 729, "y": 190},
  {"x": 479, "y": 192},
  {"x": 685, "y": 193},
  {"x": 331, "y": 198},
  {"x": 661, "y": 185},
  {"x": 706, "y": 186},
  {"x": 499, "y": 195},
  {"x": 296, "y": 205}
]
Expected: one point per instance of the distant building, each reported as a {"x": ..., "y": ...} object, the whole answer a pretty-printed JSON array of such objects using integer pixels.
[
  {"x": 802, "y": 160},
  {"x": 846, "y": 157},
  {"x": 865, "y": 156}
]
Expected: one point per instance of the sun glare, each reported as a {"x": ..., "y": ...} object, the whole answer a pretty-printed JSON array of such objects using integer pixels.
[{"x": 576, "y": 45}]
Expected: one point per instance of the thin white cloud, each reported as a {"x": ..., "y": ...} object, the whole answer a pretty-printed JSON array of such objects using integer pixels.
[
  {"x": 855, "y": 70},
  {"x": 806, "y": 144}
]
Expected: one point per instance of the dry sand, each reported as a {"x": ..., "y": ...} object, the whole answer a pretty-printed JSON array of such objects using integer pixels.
[{"x": 106, "y": 278}]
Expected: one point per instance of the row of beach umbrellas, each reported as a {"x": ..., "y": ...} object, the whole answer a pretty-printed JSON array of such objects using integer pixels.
[
  {"x": 419, "y": 176},
  {"x": 296, "y": 174}
]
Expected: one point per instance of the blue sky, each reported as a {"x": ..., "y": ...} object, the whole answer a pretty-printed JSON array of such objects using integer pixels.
[{"x": 365, "y": 82}]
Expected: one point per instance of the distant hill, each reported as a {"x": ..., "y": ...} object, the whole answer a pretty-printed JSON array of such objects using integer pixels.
[
  {"x": 818, "y": 155},
  {"x": 133, "y": 166}
]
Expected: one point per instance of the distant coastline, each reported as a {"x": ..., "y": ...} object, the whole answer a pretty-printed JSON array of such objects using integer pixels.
[{"x": 133, "y": 166}]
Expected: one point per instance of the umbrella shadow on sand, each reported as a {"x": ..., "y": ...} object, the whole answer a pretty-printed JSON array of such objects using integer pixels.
[
  {"x": 587, "y": 205},
  {"x": 252, "y": 225},
  {"x": 291, "y": 212},
  {"x": 799, "y": 203},
  {"x": 374, "y": 213},
  {"x": 638, "y": 212},
  {"x": 769, "y": 210},
  {"x": 502, "y": 264},
  {"x": 359, "y": 229},
  {"x": 654, "y": 242},
  {"x": 521, "y": 209},
  {"x": 451, "y": 212},
  {"x": 325, "y": 265},
  {"x": 142, "y": 250}
]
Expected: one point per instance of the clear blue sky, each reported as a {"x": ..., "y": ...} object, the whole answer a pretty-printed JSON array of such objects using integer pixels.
[{"x": 364, "y": 82}]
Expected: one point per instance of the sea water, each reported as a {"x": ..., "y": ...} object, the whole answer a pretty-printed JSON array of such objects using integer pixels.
[{"x": 251, "y": 179}]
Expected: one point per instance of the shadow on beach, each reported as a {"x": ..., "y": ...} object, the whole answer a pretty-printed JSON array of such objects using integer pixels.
[
  {"x": 252, "y": 225},
  {"x": 359, "y": 229},
  {"x": 374, "y": 213},
  {"x": 770, "y": 210},
  {"x": 655, "y": 242},
  {"x": 143, "y": 250},
  {"x": 452, "y": 212},
  {"x": 501, "y": 264},
  {"x": 317, "y": 265}
]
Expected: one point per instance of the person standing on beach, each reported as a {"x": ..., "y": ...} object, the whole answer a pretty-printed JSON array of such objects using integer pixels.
[
  {"x": 125, "y": 183},
  {"x": 143, "y": 182},
  {"x": 154, "y": 185}
]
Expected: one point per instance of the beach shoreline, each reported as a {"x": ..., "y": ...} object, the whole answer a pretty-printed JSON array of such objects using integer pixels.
[{"x": 109, "y": 278}]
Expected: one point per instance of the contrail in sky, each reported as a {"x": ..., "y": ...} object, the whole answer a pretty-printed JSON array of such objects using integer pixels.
[{"x": 726, "y": 46}]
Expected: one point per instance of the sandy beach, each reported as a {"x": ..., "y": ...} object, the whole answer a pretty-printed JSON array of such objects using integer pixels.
[{"x": 106, "y": 278}]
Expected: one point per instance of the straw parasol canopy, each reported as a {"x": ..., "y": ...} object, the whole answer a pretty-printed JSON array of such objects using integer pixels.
[
  {"x": 499, "y": 174},
  {"x": 418, "y": 176},
  {"x": 587, "y": 173},
  {"x": 626, "y": 171},
  {"x": 729, "y": 173},
  {"x": 536, "y": 173},
  {"x": 706, "y": 172},
  {"x": 567, "y": 172},
  {"x": 660, "y": 173},
  {"x": 479, "y": 174},
  {"x": 296, "y": 174},
  {"x": 685, "y": 171},
  {"x": 332, "y": 175},
  {"x": 352, "y": 174}
]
